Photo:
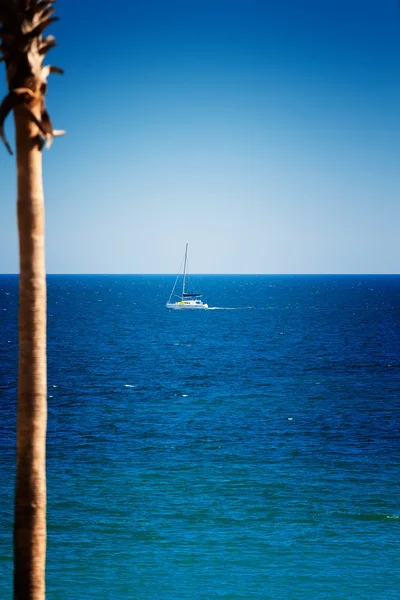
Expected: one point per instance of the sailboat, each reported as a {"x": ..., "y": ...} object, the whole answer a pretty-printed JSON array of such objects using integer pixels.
[{"x": 186, "y": 300}]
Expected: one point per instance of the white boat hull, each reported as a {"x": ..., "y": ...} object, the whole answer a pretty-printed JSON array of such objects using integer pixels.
[{"x": 186, "y": 305}]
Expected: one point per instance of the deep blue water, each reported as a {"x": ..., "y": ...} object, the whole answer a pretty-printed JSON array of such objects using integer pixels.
[{"x": 221, "y": 454}]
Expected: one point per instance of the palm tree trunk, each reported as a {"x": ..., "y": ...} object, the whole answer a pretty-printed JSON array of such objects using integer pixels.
[{"x": 30, "y": 494}]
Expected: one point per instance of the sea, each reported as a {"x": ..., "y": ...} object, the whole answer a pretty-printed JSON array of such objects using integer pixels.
[{"x": 250, "y": 451}]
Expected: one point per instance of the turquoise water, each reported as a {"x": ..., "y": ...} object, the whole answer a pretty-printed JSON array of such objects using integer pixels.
[{"x": 225, "y": 454}]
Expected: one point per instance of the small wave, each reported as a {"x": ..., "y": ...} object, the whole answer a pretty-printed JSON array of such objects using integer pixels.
[
  {"x": 368, "y": 516},
  {"x": 129, "y": 386}
]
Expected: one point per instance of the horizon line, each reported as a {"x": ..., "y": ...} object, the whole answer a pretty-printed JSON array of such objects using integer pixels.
[{"x": 215, "y": 274}]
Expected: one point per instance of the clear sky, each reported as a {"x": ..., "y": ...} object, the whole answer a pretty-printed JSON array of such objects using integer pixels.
[{"x": 266, "y": 133}]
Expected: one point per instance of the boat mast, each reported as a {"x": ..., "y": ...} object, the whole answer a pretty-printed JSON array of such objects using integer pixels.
[{"x": 184, "y": 272}]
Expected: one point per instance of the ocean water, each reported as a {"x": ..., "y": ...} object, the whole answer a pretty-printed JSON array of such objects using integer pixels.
[{"x": 250, "y": 451}]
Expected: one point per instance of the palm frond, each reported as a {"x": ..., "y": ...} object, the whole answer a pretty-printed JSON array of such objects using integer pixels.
[{"x": 23, "y": 49}]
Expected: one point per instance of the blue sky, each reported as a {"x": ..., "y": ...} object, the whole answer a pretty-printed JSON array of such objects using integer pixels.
[{"x": 264, "y": 133}]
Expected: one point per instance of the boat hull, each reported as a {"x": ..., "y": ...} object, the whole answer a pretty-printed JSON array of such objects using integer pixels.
[{"x": 185, "y": 306}]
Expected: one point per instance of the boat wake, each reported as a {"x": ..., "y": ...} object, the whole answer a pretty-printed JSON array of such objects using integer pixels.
[{"x": 230, "y": 308}]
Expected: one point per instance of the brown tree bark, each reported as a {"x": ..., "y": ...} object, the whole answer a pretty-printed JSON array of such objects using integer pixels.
[{"x": 30, "y": 494}]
